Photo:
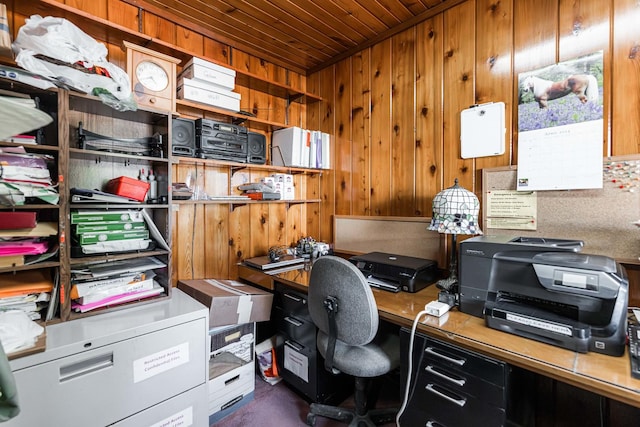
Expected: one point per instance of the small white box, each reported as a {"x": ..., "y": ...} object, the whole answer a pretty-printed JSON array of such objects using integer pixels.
[
  {"x": 285, "y": 178},
  {"x": 210, "y": 75},
  {"x": 286, "y": 190},
  {"x": 268, "y": 180},
  {"x": 204, "y": 63},
  {"x": 198, "y": 91}
]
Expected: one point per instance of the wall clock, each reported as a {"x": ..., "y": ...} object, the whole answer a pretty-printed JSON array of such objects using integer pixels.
[{"x": 153, "y": 77}]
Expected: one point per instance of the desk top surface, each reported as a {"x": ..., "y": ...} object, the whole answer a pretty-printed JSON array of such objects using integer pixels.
[{"x": 606, "y": 375}]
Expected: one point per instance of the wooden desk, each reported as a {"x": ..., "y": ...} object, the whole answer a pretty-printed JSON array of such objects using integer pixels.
[{"x": 607, "y": 376}]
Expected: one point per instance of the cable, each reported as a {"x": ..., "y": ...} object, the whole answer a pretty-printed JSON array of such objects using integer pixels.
[{"x": 405, "y": 399}]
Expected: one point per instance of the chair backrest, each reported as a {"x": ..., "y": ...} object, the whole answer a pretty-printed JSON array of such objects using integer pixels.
[{"x": 357, "y": 314}]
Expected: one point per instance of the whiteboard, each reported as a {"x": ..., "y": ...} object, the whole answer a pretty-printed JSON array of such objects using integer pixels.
[{"x": 482, "y": 130}]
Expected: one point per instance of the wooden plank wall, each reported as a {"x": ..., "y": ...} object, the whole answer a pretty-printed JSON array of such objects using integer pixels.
[
  {"x": 393, "y": 110},
  {"x": 405, "y": 147}
]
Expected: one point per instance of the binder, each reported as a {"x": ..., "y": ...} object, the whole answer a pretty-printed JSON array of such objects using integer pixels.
[{"x": 16, "y": 220}]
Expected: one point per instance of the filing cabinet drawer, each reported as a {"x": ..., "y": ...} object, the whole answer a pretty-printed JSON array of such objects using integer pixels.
[
  {"x": 124, "y": 377},
  {"x": 441, "y": 407},
  {"x": 460, "y": 360},
  {"x": 460, "y": 382},
  {"x": 296, "y": 328},
  {"x": 292, "y": 302},
  {"x": 186, "y": 409}
]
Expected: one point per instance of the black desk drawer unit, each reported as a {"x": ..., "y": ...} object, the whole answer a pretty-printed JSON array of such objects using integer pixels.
[
  {"x": 451, "y": 386},
  {"x": 299, "y": 363}
]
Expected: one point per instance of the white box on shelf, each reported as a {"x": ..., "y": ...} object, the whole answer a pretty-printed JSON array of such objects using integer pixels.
[
  {"x": 212, "y": 74},
  {"x": 198, "y": 91},
  {"x": 204, "y": 63},
  {"x": 285, "y": 178}
]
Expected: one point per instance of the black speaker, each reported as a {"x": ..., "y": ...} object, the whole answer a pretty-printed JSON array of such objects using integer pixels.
[
  {"x": 183, "y": 141},
  {"x": 257, "y": 150}
]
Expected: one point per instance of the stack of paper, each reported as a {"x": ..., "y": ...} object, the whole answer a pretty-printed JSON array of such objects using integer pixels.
[
  {"x": 25, "y": 176},
  {"x": 21, "y": 236},
  {"x": 108, "y": 284},
  {"x": 28, "y": 291}
]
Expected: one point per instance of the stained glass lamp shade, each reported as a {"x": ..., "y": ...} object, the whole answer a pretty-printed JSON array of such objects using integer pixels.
[{"x": 455, "y": 211}]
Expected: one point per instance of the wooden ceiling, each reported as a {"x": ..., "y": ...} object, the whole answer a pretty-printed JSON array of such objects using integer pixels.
[{"x": 302, "y": 35}]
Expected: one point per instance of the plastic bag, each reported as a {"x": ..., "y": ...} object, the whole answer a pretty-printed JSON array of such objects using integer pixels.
[
  {"x": 57, "y": 49},
  {"x": 60, "y": 39}
]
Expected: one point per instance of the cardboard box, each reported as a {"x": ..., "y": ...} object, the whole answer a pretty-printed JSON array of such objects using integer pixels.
[
  {"x": 216, "y": 76},
  {"x": 230, "y": 302},
  {"x": 195, "y": 90}
]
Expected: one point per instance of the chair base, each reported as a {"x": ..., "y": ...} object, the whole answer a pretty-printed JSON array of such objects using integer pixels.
[{"x": 372, "y": 418}]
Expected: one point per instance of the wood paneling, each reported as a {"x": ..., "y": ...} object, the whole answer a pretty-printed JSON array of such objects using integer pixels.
[
  {"x": 625, "y": 72},
  {"x": 342, "y": 137},
  {"x": 459, "y": 73},
  {"x": 428, "y": 113},
  {"x": 360, "y": 133},
  {"x": 381, "y": 129},
  {"x": 403, "y": 145}
]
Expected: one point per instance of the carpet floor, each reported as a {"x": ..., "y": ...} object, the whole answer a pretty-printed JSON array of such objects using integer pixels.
[{"x": 279, "y": 406}]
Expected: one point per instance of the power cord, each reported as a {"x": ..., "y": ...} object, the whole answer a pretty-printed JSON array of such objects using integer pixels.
[{"x": 405, "y": 399}]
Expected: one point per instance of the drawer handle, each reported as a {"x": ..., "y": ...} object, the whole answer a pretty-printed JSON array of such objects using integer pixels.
[
  {"x": 293, "y": 297},
  {"x": 434, "y": 424},
  {"x": 85, "y": 367},
  {"x": 434, "y": 352},
  {"x": 231, "y": 402},
  {"x": 457, "y": 381},
  {"x": 294, "y": 345},
  {"x": 460, "y": 402},
  {"x": 294, "y": 322},
  {"x": 230, "y": 380}
]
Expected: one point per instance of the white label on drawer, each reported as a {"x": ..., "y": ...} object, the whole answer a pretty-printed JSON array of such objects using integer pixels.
[
  {"x": 296, "y": 363},
  {"x": 160, "y": 362},
  {"x": 181, "y": 419}
]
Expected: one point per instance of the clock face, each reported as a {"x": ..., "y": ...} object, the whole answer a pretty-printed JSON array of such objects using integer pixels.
[{"x": 152, "y": 76}]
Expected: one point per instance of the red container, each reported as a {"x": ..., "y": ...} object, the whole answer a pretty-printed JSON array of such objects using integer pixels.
[{"x": 128, "y": 187}]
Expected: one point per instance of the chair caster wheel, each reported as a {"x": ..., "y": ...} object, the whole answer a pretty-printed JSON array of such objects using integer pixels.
[{"x": 311, "y": 419}]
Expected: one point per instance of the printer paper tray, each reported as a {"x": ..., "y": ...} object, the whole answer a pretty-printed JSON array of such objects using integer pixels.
[{"x": 539, "y": 325}]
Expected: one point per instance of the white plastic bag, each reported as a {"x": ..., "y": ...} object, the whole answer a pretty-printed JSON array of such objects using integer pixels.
[{"x": 60, "y": 39}]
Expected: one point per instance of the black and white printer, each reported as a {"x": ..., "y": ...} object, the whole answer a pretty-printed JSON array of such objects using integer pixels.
[{"x": 547, "y": 290}]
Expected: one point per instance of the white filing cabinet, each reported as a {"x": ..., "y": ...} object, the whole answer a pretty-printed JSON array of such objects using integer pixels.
[{"x": 142, "y": 366}]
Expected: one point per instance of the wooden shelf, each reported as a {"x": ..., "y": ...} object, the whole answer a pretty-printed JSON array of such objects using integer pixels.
[
  {"x": 115, "y": 257},
  {"x": 242, "y": 202},
  {"x": 109, "y": 32},
  {"x": 37, "y": 266},
  {"x": 239, "y": 166},
  {"x": 79, "y": 153},
  {"x": 236, "y": 118}
]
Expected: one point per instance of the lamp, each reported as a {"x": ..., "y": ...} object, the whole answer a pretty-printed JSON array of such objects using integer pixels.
[{"x": 455, "y": 211}]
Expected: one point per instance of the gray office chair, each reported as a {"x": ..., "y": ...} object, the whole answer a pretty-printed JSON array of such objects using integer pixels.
[{"x": 343, "y": 309}]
